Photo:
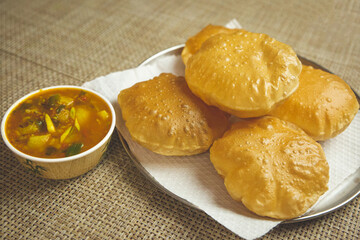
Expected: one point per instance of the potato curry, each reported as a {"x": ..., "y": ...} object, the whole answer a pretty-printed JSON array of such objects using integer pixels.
[{"x": 57, "y": 123}]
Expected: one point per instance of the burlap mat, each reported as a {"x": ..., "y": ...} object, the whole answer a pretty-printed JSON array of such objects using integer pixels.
[{"x": 44, "y": 43}]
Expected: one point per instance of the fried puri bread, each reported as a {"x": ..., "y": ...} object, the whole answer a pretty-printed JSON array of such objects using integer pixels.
[
  {"x": 243, "y": 73},
  {"x": 323, "y": 105},
  {"x": 164, "y": 116},
  {"x": 273, "y": 167},
  {"x": 193, "y": 44}
]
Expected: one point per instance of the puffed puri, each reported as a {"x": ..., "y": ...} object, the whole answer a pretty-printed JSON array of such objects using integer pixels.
[
  {"x": 273, "y": 167},
  {"x": 194, "y": 43},
  {"x": 163, "y": 115},
  {"x": 323, "y": 105},
  {"x": 243, "y": 73}
]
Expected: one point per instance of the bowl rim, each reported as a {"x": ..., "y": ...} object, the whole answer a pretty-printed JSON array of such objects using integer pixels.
[{"x": 63, "y": 159}]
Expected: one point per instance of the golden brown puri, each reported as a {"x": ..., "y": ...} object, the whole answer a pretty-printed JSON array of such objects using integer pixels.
[
  {"x": 164, "y": 116},
  {"x": 243, "y": 73},
  {"x": 193, "y": 44},
  {"x": 273, "y": 167},
  {"x": 323, "y": 105}
]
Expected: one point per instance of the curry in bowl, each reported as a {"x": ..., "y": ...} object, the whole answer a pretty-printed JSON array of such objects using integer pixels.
[{"x": 59, "y": 122}]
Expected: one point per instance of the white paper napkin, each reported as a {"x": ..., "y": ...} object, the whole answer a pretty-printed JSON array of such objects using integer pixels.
[{"x": 193, "y": 178}]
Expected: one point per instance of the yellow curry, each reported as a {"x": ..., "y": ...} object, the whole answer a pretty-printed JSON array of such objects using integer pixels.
[{"x": 57, "y": 123}]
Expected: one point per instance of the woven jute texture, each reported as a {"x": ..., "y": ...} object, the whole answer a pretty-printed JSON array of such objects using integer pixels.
[{"x": 45, "y": 43}]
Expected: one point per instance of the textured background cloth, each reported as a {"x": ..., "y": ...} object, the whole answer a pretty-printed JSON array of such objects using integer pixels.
[{"x": 45, "y": 43}]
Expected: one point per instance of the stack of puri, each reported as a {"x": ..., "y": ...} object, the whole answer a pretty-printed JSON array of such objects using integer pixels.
[{"x": 270, "y": 159}]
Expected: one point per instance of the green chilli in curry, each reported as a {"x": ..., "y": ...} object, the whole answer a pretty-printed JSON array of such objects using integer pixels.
[{"x": 57, "y": 123}]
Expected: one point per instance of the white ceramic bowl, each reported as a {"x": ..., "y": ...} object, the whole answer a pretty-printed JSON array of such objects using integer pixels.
[{"x": 67, "y": 167}]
